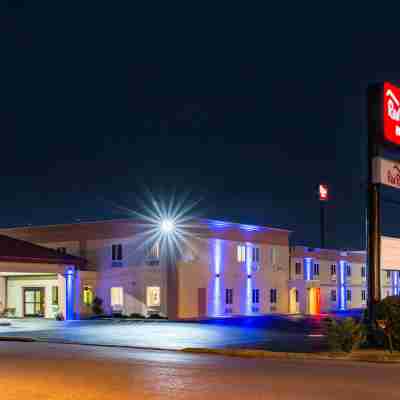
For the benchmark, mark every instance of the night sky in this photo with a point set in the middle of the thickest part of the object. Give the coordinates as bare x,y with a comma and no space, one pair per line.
245,109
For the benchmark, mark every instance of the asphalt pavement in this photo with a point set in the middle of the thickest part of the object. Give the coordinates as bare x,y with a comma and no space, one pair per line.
277,333
72,372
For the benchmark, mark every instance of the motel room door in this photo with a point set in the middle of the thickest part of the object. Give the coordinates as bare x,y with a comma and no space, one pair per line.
202,302
33,302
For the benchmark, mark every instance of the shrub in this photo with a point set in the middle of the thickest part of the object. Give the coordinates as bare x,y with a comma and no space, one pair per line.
97,306
345,335
137,315
387,316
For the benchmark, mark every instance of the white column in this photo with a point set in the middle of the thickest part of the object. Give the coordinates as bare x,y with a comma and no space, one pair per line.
3,293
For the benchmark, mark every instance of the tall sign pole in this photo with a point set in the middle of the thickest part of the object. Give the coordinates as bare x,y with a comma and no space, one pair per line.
383,132
373,202
323,192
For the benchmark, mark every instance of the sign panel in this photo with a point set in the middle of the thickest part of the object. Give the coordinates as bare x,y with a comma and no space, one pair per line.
390,253
323,192
391,113
386,172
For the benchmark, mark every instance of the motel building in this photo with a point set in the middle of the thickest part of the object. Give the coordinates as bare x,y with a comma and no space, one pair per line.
221,269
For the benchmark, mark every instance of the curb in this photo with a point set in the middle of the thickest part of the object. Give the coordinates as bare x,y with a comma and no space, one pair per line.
372,358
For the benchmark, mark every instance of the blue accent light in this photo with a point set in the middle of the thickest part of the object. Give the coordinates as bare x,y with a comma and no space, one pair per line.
70,283
342,283
249,282
217,281
307,268
395,282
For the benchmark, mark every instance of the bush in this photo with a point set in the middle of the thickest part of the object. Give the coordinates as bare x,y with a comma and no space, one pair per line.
345,335
97,306
137,315
387,317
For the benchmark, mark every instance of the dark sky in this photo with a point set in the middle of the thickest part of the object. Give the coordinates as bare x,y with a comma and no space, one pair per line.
246,109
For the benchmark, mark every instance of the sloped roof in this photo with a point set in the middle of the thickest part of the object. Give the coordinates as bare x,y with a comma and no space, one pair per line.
16,250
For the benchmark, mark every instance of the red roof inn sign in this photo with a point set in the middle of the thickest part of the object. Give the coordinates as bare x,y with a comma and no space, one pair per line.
386,172
391,113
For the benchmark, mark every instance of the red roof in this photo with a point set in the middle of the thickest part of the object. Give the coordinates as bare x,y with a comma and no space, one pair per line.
16,250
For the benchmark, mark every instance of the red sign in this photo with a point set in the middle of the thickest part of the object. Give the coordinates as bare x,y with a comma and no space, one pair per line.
323,192
391,113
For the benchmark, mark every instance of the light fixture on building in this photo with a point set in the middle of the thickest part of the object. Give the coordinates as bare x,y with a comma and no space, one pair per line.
167,225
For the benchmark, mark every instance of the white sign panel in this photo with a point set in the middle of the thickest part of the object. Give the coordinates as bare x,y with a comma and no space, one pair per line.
386,172
390,253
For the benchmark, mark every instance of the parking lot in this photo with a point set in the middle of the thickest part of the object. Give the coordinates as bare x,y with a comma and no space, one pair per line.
280,333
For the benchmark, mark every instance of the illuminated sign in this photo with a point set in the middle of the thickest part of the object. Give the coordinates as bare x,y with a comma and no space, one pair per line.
386,172
323,192
391,113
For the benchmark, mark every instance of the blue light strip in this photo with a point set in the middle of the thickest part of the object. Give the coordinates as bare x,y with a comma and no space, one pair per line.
342,285
395,283
249,282
307,268
69,301
217,278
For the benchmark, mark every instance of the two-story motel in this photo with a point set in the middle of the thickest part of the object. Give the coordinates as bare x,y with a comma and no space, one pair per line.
223,269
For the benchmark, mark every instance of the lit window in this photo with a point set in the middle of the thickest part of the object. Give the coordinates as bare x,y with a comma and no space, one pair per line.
333,269
256,296
87,296
153,296
117,297
256,254
363,295
273,296
348,269
229,296
388,274
54,296
333,295
116,252
298,268
241,253
273,255
363,271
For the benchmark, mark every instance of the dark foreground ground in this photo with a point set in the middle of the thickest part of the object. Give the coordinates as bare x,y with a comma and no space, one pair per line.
68,372
278,333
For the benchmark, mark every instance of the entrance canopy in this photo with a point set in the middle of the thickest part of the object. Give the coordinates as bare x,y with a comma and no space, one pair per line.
390,253
20,251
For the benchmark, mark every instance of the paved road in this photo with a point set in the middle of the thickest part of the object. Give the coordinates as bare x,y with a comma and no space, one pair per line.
272,333
67,372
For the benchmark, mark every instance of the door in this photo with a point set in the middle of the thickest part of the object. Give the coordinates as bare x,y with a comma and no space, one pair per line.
202,302
34,302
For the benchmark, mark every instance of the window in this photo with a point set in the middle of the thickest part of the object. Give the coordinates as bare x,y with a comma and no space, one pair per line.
363,295
54,295
316,270
348,269
116,252
333,269
256,254
87,296
273,255
348,295
229,296
153,253
273,296
298,268
363,271
388,275
153,296
256,296
62,250
333,295
241,253
117,297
